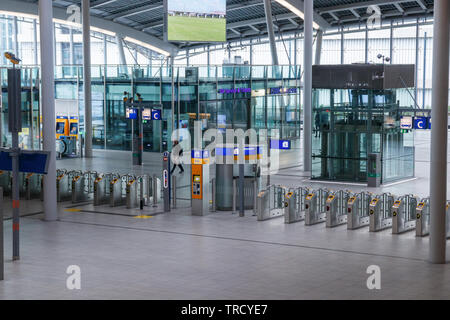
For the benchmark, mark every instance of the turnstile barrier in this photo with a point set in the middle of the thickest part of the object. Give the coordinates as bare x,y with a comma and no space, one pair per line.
358,210
404,214
294,210
336,208
83,186
315,206
102,189
423,218
380,212
270,203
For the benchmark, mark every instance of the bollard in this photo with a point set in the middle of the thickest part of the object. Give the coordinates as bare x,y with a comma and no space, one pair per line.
255,196
155,191
174,191
234,196
213,195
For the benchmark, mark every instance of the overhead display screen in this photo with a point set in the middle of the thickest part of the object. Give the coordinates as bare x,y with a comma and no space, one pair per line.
196,20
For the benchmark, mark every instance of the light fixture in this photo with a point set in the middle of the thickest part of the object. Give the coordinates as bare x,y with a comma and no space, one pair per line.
295,10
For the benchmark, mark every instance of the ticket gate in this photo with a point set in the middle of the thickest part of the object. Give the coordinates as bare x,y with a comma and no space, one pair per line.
64,180
404,214
294,210
139,190
101,188
423,217
315,206
358,210
118,189
270,203
83,186
5,182
336,208
33,186
380,212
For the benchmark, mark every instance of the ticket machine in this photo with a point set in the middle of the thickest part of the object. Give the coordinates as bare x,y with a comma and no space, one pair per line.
200,193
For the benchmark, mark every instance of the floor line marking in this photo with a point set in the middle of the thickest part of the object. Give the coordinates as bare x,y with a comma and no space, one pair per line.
243,240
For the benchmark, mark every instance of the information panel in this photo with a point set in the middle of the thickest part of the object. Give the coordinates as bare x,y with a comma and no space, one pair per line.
196,20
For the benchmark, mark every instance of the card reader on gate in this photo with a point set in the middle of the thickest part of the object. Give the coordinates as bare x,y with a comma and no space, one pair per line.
396,205
373,203
196,185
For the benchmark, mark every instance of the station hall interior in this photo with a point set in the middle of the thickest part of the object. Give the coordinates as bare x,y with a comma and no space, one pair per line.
224,149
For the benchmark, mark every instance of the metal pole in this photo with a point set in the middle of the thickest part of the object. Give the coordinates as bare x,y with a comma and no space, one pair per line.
71,48
424,69
48,106
319,41
307,87
439,113
366,45
213,196
16,42
87,79
270,32
234,196
174,191
121,51
391,41
416,90
155,191
2,266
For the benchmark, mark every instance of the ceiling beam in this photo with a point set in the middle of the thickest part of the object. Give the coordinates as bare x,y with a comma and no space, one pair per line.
359,5
100,3
131,12
297,7
399,7
356,14
422,4
60,14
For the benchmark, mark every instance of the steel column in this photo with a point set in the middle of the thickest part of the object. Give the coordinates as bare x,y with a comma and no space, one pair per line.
87,79
270,32
48,105
319,41
439,131
307,87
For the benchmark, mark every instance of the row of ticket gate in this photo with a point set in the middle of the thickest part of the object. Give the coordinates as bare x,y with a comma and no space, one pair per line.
343,207
101,188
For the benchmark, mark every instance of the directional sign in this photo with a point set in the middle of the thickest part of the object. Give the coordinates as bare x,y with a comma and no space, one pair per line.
280,144
421,123
156,114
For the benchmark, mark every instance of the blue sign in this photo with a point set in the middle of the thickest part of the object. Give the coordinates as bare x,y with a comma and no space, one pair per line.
282,90
421,123
131,113
280,144
156,114
29,161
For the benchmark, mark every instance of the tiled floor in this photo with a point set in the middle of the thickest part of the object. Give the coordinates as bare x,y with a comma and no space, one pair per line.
220,256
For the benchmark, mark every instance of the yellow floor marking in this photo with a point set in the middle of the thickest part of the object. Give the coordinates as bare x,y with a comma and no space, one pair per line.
72,210
143,216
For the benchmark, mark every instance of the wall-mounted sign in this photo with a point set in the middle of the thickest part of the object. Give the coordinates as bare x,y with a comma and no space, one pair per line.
406,122
422,123
131,113
147,114
280,144
282,90
235,90
156,114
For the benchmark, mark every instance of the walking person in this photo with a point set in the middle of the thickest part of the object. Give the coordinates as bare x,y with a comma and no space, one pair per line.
177,159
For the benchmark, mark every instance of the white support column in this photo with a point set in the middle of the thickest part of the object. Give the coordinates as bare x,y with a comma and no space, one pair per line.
307,84
87,79
35,46
319,41
439,131
48,106
105,50
71,48
15,38
270,32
